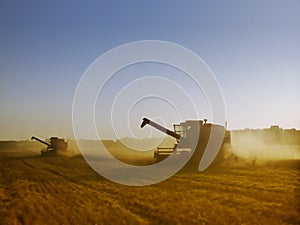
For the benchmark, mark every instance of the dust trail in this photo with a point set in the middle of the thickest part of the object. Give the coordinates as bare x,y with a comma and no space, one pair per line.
260,147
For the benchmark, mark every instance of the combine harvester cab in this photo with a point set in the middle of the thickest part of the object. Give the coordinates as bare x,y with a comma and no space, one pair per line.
54,146
193,129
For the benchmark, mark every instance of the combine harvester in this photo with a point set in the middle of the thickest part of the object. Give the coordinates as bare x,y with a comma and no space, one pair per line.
54,146
192,129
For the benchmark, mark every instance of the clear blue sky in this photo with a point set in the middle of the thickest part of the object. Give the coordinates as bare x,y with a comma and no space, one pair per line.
252,47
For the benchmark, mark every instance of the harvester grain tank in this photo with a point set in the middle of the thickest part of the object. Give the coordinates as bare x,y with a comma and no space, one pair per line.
54,145
192,129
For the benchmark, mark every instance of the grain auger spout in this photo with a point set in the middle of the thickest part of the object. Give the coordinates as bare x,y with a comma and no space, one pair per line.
39,140
159,127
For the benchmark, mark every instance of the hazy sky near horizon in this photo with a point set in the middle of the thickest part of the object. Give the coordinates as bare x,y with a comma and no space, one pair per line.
252,47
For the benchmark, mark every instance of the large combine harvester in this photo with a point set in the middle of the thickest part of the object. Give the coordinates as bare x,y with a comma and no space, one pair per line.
54,145
192,129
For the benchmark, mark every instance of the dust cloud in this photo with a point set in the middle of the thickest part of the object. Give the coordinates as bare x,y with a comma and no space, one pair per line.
262,146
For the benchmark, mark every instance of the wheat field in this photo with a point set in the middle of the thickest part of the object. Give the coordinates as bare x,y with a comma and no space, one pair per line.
65,190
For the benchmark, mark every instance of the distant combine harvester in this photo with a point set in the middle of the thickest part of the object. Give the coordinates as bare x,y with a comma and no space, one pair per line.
54,145
193,134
